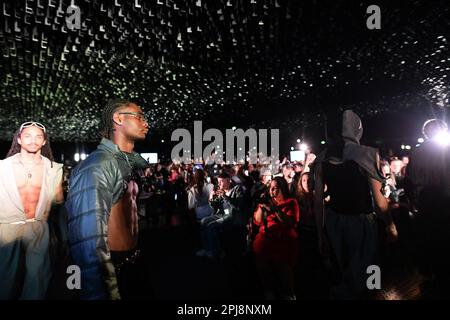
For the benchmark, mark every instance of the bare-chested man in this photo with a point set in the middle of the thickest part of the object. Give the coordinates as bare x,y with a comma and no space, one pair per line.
30,182
101,204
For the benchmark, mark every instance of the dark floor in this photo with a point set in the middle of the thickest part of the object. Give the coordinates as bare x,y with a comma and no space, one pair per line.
176,273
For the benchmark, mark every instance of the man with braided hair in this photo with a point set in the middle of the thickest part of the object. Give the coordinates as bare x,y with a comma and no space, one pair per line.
102,209
30,184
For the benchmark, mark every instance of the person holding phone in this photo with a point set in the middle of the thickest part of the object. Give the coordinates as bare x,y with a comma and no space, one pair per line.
276,246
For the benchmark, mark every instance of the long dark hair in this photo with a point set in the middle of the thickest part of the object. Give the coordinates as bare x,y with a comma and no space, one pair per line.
199,180
301,192
333,134
283,186
46,150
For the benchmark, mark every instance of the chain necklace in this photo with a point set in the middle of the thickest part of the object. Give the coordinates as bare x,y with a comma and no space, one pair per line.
29,169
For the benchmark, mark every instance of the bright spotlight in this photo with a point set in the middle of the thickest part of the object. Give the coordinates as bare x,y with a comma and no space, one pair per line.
433,127
442,138
83,156
420,140
303,147
408,147
298,140
76,157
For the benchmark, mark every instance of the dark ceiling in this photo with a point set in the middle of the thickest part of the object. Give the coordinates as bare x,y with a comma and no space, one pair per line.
229,62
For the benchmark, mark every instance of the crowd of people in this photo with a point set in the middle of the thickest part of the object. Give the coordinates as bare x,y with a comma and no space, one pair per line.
345,208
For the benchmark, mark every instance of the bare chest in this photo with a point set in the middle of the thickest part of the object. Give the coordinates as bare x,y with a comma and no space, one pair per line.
123,222
28,180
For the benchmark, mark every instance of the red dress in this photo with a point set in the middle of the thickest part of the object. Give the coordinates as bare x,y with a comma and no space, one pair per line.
278,242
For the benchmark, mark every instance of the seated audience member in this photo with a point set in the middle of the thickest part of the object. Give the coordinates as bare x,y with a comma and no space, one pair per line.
199,195
227,203
276,246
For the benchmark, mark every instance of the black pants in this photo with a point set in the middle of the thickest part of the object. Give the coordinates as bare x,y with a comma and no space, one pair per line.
131,276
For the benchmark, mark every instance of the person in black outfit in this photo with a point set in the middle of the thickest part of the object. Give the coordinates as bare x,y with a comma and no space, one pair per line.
347,226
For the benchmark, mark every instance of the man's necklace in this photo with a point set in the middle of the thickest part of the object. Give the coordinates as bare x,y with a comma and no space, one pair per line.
28,170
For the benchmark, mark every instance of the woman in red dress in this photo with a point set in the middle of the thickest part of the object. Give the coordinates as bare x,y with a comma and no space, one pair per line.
276,245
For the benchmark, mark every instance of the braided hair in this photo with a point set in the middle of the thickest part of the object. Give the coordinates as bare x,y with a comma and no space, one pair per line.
46,150
106,122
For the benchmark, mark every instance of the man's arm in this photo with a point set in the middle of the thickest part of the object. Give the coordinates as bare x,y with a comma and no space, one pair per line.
89,205
235,202
59,194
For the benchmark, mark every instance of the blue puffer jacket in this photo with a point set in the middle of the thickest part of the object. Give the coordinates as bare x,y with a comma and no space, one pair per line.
96,185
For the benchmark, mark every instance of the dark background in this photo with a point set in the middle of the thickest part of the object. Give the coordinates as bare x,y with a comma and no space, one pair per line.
249,64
